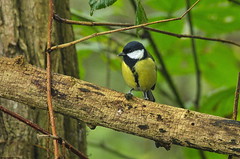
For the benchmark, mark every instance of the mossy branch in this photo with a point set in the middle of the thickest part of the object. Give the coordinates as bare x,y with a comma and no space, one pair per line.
100,106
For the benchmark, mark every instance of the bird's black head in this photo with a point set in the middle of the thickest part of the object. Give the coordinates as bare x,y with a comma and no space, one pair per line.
133,46
133,52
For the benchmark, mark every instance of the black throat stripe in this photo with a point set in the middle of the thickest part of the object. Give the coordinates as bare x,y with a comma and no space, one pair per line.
135,74
130,62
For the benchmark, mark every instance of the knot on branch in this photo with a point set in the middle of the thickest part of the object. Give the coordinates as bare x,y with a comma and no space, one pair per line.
19,60
165,144
58,18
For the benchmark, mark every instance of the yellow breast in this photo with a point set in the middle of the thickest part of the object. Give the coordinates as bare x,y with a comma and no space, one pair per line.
147,75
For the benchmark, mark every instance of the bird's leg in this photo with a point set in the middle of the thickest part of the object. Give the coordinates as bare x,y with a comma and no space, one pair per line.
145,95
129,95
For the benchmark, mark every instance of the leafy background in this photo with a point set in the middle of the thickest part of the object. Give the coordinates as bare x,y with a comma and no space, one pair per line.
219,64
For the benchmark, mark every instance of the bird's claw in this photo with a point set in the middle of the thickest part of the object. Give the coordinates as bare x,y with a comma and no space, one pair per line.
128,96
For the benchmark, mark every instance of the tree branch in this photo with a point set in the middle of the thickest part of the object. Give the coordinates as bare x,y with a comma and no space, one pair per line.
103,107
49,96
122,29
87,23
39,129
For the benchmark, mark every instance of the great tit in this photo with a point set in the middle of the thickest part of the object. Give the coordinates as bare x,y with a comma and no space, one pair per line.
139,69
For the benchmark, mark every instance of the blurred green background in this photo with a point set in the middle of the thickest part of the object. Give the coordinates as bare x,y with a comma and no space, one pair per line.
219,65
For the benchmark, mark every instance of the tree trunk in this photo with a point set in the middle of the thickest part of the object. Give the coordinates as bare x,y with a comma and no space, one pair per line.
23,31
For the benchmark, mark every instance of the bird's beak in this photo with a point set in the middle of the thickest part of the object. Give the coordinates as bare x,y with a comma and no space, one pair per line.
121,54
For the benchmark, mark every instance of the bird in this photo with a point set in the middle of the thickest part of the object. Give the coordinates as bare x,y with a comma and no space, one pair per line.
138,70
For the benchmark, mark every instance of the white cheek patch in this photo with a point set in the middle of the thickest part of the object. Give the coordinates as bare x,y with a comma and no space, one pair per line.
137,54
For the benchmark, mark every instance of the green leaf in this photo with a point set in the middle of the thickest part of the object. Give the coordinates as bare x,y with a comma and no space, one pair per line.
219,102
219,65
141,16
99,4
218,17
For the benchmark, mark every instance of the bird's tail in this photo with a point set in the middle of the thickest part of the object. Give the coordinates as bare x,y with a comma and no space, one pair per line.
149,96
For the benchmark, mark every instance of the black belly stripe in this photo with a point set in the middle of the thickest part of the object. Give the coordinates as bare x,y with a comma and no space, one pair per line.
135,74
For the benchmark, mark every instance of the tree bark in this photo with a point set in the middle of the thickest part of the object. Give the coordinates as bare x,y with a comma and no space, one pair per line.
99,106
23,31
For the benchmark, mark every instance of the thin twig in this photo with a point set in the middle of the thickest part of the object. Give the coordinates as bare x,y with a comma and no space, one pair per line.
235,106
39,129
236,99
121,29
67,21
49,96
20,118
195,59
192,36
49,136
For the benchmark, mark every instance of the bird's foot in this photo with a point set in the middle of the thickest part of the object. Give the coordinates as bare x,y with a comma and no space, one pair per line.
128,96
146,98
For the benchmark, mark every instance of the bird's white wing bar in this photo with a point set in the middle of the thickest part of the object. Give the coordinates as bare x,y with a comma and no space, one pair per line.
137,54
